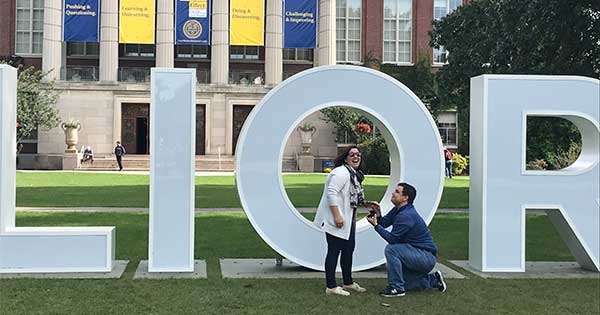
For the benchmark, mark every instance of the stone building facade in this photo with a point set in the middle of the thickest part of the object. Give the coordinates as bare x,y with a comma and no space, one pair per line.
106,86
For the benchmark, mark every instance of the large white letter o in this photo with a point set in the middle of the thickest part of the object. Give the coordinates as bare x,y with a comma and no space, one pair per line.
409,131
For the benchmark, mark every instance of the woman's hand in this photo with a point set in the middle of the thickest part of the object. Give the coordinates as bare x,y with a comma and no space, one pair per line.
339,221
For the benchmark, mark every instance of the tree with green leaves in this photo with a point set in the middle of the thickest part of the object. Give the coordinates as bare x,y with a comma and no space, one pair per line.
36,100
418,78
554,37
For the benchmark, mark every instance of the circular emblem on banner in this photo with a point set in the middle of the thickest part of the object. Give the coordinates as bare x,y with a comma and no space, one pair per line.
192,29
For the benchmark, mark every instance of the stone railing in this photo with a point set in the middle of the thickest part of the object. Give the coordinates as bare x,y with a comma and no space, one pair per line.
134,74
79,73
247,77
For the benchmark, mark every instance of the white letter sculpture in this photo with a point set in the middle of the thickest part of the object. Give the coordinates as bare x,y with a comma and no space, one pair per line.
40,249
408,128
501,187
172,165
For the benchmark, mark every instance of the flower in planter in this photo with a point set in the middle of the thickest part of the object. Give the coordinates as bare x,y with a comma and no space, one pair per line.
307,127
71,123
363,128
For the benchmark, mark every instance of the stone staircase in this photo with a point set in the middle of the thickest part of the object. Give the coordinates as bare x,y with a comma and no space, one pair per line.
136,162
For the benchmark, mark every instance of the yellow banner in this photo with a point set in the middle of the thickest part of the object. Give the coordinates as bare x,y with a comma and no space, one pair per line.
247,22
136,21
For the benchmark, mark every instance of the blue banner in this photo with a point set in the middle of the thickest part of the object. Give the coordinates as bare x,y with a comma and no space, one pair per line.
300,24
81,20
192,22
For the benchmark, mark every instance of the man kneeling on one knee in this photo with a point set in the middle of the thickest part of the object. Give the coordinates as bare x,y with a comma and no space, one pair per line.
411,253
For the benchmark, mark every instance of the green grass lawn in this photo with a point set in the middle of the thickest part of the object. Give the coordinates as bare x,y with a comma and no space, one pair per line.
67,189
230,235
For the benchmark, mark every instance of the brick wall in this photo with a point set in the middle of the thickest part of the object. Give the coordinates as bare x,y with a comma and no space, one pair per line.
372,25
422,19
7,27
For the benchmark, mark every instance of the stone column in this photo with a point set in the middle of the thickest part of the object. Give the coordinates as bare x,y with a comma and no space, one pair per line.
274,43
325,53
109,41
219,60
165,49
52,49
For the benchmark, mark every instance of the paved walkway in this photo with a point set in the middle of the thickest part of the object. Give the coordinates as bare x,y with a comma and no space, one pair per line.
198,210
205,210
126,172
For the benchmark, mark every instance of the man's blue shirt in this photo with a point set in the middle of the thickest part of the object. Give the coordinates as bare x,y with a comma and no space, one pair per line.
407,228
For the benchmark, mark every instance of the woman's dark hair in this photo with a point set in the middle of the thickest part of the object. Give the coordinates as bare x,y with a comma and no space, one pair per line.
341,159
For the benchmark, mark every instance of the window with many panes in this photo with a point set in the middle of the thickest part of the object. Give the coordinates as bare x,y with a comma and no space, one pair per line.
348,14
137,50
448,133
82,49
192,51
397,31
30,26
298,54
243,52
441,8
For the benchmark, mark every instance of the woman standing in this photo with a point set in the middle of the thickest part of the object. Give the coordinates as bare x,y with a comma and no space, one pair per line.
336,216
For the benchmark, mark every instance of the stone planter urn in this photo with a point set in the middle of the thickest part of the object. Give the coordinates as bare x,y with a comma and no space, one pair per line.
307,132
71,129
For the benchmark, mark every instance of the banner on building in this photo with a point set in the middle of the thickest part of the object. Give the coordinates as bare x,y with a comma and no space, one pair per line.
192,22
300,24
136,21
81,20
247,22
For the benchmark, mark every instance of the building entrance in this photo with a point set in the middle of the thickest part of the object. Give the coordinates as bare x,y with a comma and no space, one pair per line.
141,135
240,114
135,128
135,124
200,129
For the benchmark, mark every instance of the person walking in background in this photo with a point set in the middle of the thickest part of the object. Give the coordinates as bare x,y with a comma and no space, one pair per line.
119,152
448,158
336,216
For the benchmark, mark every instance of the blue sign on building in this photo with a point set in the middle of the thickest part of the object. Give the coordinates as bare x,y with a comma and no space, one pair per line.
81,20
192,22
300,24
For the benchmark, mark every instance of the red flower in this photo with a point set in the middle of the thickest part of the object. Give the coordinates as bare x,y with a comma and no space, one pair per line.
363,128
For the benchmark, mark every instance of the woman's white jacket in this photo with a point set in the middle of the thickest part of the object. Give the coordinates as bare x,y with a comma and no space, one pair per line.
336,193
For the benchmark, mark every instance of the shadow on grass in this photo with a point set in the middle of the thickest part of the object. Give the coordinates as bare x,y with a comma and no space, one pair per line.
229,234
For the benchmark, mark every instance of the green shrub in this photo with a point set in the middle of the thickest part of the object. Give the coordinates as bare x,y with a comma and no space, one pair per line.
459,164
375,156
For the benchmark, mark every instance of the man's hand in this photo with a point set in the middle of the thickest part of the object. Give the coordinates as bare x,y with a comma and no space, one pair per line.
339,221
375,206
372,220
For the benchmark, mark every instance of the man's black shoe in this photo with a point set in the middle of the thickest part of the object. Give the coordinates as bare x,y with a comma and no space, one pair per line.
442,287
392,292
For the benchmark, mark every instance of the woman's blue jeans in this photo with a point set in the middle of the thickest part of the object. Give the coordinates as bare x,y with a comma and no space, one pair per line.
335,246
408,267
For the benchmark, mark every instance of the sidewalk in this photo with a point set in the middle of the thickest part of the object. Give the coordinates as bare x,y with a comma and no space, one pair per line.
126,172
197,210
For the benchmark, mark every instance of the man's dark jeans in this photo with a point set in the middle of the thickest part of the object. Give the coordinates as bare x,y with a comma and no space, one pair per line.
408,267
